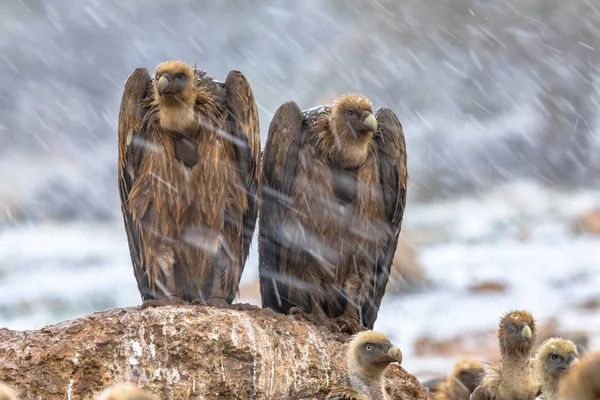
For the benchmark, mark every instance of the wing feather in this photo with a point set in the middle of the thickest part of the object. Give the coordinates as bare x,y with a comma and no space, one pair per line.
131,138
393,178
280,159
243,125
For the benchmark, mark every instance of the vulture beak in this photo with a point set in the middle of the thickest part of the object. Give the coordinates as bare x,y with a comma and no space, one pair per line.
371,122
394,354
163,84
526,332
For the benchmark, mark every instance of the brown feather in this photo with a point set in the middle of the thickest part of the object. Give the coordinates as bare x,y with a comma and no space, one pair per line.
582,382
461,381
322,244
513,378
188,209
548,373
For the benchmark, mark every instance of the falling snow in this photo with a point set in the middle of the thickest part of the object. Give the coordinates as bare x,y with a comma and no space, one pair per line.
498,101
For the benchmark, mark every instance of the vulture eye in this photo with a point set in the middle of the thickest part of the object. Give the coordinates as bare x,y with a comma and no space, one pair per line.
554,357
369,347
180,76
350,113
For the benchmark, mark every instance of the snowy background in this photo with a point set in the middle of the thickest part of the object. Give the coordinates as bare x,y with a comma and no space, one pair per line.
498,101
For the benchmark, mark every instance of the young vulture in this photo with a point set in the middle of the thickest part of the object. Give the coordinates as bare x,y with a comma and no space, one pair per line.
189,168
513,378
333,197
552,359
582,382
124,391
368,357
461,382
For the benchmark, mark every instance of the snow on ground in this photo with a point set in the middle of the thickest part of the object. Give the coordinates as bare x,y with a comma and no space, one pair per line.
519,235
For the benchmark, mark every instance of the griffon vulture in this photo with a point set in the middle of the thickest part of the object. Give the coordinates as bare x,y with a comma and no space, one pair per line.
368,358
512,378
189,169
333,195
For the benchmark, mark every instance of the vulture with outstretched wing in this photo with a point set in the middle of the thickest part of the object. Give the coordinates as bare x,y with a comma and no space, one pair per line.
189,170
332,200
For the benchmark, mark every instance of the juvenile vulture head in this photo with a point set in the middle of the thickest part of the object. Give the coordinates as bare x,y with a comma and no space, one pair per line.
124,391
6,393
516,333
555,356
175,84
466,374
353,125
552,359
368,357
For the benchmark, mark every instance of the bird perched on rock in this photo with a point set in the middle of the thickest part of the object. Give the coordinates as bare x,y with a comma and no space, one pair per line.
513,378
189,169
461,382
552,359
369,354
333,196
6,393
582,381
124,391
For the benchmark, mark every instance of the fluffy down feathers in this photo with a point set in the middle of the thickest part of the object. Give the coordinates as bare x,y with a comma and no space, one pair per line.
334,191
552,359
513,378
461,382
582,382
368,357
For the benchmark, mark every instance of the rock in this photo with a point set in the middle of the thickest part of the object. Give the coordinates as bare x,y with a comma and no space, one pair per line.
487,287
187,352
589,222
406,273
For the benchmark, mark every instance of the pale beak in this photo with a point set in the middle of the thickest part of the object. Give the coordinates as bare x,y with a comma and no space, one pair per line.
371,122
526,332
163,84
395,354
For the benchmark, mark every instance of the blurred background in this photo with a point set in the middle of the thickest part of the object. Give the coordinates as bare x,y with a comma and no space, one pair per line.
499,103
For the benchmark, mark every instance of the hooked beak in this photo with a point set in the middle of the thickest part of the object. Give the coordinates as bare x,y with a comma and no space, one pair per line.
163,84
394,354
371,122
526,332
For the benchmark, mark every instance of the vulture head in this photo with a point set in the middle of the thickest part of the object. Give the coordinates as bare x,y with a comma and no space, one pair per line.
124,391
467,373
353,125
555,356
175,83
369,355
516,333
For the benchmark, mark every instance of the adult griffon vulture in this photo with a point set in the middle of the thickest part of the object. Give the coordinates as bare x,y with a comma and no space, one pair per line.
189,169
333,196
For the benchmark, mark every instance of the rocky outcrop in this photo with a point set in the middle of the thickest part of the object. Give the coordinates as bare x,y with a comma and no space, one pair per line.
187,352
588,222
